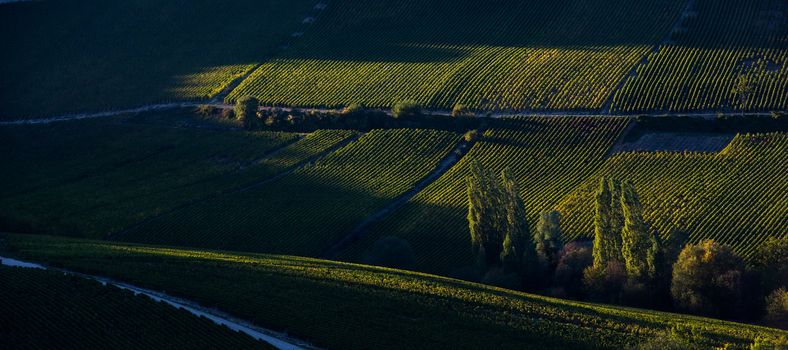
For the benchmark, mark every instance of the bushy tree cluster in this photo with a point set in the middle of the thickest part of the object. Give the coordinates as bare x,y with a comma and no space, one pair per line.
629,258
501,237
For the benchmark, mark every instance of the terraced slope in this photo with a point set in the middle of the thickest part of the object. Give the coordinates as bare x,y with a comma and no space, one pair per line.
718,41
305,212
493,55
345,306
48,310
548,156
87,55
736,196
93,178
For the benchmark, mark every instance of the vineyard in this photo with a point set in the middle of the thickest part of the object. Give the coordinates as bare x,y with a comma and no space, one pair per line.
501,55
94,178
344,306
698,69
736,197
548,156
92,55
47,310
305,212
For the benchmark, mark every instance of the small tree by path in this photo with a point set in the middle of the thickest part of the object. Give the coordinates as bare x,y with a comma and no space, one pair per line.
406,109
246,111
743,91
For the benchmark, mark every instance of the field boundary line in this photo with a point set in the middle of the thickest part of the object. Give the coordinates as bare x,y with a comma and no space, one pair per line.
667,39
448,162
311,18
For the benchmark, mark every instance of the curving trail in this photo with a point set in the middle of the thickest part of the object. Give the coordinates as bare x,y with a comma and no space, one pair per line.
277,339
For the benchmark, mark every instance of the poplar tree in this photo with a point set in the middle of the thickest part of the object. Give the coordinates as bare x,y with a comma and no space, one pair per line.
517,254
607,237
616,218
484,219
548,237
640,246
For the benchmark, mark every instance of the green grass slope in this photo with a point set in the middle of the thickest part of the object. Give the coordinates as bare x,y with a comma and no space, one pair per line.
48,310
494,55
549,157
306,212
69,56
346,306
718,41
737,196
92,178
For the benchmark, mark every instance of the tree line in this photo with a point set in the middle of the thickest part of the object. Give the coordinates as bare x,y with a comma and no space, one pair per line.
627,262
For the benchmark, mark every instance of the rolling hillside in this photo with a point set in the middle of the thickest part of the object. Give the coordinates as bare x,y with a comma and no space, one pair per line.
338,305
548,156
68,56
716,43
736,196
46,310
504,55
491,55
93,178
305,212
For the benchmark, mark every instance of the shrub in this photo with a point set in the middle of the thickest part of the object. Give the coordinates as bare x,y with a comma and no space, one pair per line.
472,136
573,260
353,109
246,111
462,111
707,280
772,262
205,110
777,309
605,284
228,114
391,252
406,109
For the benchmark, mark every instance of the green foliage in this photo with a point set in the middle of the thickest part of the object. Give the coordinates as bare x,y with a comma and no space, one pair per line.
771,260
707,279
354,109
549,157
574,260
548,237
246,111
607,232
472,136
777,309
518,253
606,283
49,310
399,309
485,215
406,110
639,245
462,111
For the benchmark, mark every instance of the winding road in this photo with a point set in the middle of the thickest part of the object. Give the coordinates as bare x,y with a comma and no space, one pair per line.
276,339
